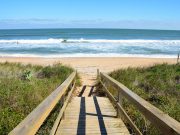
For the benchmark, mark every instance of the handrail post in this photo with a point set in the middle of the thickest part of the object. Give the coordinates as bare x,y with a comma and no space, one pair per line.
119,100
98,75
63,100
166,124
178,58
31,124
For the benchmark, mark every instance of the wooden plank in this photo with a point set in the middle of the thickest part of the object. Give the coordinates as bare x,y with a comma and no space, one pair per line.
164,122
93,122
118,105
128,119
106,108
94,131
34,120
64,133
58,119
74,123
111,97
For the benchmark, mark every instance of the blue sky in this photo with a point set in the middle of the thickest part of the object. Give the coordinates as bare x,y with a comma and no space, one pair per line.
144,14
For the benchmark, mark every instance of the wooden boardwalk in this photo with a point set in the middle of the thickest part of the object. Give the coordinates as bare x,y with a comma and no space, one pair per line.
91,115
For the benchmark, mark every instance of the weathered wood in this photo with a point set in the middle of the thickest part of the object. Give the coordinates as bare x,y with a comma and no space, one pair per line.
91,119
58,119
98,75
178,58
164,122
34,120
110,96
120,100
119,107
128,119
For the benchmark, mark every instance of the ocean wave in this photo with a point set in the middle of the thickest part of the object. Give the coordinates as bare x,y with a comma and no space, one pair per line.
90,48
59,41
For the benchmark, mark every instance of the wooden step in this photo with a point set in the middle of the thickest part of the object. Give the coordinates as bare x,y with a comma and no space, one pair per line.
91,115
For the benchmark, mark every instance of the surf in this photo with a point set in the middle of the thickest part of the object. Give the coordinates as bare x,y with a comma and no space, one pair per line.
81,40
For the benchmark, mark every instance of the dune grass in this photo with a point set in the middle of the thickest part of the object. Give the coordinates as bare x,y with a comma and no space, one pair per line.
159,85
23,87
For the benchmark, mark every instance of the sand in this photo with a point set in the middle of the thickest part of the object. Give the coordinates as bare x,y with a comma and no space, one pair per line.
90,65
87,67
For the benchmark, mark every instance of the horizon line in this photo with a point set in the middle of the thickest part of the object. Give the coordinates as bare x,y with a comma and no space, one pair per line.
90,28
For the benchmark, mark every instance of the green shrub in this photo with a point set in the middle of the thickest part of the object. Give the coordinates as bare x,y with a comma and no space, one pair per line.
27,75
19,97
47,72
159,85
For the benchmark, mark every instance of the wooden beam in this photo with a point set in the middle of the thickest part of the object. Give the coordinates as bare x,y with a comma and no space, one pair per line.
31,124
120,108
58,119
161,120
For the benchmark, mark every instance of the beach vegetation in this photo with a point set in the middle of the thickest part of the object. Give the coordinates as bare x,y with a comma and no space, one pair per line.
23,87
158,84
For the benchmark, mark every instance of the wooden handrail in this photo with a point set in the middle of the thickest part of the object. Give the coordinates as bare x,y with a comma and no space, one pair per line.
31,124
61,113
162,121
121,110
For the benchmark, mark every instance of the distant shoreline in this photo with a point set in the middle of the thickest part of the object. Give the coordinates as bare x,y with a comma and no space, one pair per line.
89,65
91,28
58,43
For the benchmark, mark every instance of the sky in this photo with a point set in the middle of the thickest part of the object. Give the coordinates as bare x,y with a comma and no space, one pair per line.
131,14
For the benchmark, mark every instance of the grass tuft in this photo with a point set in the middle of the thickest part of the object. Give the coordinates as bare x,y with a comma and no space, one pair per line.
159,85
23,87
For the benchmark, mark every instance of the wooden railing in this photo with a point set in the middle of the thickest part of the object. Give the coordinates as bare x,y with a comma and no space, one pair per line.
166,124
31,124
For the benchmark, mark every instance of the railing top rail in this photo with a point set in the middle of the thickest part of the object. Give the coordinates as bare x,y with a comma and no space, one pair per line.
34,120
164,122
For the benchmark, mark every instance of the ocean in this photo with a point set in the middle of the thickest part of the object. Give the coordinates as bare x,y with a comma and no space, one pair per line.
89,43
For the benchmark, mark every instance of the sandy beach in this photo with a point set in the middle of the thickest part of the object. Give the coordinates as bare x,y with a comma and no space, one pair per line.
87,67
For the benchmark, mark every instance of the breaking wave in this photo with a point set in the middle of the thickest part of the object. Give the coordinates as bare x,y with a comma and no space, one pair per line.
58,41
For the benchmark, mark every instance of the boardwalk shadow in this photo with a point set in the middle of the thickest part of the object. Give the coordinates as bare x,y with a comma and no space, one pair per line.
81,130
84,88
100,117
91,91
82,91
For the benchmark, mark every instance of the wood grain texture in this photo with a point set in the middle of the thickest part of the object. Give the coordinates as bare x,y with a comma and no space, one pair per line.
59,117
31,124
91,115
161,120
120,110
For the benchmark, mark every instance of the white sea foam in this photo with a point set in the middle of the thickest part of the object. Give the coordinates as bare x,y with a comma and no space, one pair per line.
58,41
89,48
39,41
